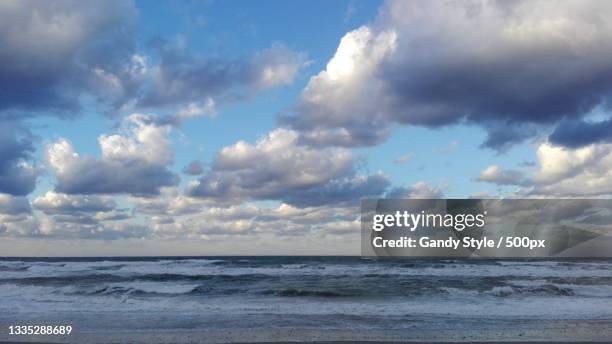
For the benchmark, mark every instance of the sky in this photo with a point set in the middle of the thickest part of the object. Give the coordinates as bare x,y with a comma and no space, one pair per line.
255,128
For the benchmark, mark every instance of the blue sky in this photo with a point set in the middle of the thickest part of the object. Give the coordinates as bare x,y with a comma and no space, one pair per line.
287,113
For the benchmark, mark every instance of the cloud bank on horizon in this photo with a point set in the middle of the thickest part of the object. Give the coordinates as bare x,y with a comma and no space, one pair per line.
307,131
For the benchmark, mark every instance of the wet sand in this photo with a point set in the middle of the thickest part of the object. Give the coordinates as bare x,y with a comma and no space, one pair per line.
588,331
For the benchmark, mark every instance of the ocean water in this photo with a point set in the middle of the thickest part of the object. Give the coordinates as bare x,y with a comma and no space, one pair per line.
138,294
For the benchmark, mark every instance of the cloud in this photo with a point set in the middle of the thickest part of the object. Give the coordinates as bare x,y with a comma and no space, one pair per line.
351,188
584,171
560,172
189,111
51,50
502,136
404,159
509,67
175,215
22,225
17,173
183,78
16,218
419,190
194,168
496,175
481,195
56,55
170,202
172,215
53,203
580,133
557,163
251,221
134,162
10,205
192,110
275,66
67,216
527,163
278,167
66,227
82,210
340,105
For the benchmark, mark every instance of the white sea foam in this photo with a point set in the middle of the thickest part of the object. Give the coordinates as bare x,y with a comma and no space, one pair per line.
539,290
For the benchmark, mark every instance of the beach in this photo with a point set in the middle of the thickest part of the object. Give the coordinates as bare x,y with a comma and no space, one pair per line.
306,299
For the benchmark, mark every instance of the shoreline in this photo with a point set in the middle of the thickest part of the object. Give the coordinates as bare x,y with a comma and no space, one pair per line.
588,332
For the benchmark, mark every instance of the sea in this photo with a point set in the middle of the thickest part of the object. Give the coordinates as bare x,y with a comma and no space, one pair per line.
316,293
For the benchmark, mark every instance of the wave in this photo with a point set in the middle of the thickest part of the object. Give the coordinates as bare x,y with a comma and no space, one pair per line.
159,277
161,290
292,292
345,285
118,290
287,278
543,290
292,267
108,268
8,268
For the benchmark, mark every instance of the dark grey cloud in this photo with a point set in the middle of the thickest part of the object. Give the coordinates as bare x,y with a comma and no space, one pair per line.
513,89
55,54
135,177
183,77
278,167
527,163
579,133
51,49
10,205
17,174
359,134
509,67
16,218
503,135
194,168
